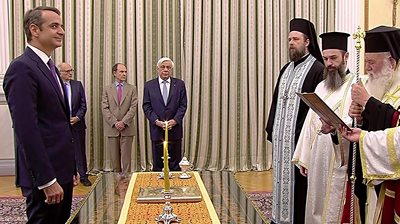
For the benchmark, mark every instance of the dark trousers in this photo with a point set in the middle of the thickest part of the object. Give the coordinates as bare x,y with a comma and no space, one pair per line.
40,212
300,197
80,152
174,151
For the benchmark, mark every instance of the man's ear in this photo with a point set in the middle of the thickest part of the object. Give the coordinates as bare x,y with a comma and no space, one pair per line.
346,56
34,30
307,42
393,63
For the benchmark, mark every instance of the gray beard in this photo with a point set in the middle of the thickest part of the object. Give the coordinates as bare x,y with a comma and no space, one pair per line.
334,79
378,84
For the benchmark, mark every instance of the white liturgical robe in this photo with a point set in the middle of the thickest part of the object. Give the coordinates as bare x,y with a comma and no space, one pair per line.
325,161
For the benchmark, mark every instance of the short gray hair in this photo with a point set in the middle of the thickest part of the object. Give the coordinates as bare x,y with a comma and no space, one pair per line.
164,59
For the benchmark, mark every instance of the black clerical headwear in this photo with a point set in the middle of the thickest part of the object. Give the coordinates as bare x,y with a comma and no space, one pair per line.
306,27
383,39
334,40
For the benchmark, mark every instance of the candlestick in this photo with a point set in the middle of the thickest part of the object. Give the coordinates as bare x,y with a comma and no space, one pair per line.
166,168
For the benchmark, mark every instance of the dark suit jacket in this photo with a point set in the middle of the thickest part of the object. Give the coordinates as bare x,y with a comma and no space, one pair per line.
154,108
41,122
78,102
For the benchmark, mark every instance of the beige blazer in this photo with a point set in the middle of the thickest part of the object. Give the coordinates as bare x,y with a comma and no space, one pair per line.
112,112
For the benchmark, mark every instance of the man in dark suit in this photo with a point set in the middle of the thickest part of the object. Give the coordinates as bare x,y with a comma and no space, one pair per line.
164,104
40,115
77,107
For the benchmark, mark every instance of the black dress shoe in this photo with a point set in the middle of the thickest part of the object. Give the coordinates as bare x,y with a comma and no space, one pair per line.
86,183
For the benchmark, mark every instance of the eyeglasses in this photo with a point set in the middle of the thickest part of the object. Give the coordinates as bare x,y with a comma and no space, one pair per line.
68,71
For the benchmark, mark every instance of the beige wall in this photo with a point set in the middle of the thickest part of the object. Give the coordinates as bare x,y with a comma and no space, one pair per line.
6,132
380,12
7,140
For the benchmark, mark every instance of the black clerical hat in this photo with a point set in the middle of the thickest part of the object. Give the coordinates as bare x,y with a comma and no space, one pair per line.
383,39
334,40
307,27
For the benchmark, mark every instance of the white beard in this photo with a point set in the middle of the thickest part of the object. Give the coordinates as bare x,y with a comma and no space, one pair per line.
378,84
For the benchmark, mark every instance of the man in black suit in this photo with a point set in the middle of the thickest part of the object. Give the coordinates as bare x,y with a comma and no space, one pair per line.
164,104
77,107
40,115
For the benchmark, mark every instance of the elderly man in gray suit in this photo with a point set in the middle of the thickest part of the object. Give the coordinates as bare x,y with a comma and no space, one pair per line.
119,107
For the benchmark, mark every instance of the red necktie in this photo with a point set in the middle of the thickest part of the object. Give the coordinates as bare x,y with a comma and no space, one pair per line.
119,93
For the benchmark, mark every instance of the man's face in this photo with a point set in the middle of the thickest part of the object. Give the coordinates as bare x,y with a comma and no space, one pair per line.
121,73
333,58
51,33
380,70
165,70
66,72
297,45
335,65
375,63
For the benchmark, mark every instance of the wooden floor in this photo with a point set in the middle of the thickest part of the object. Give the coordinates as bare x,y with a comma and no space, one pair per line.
251,181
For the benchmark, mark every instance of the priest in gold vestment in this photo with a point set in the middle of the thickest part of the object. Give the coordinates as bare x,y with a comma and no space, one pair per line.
376,109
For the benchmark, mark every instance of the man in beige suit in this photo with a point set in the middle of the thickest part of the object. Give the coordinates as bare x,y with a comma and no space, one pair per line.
119,107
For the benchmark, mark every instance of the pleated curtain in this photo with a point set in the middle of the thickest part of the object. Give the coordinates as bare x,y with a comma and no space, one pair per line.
228,52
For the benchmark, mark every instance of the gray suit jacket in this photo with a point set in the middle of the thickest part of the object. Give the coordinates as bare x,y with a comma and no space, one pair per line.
112,112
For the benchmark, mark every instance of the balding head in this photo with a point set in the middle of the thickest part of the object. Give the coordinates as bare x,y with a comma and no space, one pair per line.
66,71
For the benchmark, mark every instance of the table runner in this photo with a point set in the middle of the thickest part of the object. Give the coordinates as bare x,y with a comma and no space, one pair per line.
198,212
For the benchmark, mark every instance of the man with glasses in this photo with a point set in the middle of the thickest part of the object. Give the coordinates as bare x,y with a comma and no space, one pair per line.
77,108
164,104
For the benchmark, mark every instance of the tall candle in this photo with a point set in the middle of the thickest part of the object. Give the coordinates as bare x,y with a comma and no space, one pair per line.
166,169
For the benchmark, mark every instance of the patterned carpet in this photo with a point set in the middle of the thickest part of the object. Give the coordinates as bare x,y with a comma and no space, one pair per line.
12,209
263,202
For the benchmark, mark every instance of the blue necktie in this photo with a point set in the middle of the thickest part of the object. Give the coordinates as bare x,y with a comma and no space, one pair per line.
68,93
165,91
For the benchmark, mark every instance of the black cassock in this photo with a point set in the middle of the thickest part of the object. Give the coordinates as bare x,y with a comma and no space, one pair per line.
313,78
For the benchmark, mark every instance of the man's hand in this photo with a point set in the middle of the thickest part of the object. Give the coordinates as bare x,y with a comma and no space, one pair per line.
171,123
161,124
353,135
76,179
326,127
355,111
73,120
359,94
303,171
120,126
54,194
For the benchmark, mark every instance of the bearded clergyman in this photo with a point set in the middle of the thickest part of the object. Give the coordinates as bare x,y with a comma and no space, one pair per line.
375,108
318,158
286,117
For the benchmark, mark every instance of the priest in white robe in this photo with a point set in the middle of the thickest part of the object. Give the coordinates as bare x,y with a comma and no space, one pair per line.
380,159
323,162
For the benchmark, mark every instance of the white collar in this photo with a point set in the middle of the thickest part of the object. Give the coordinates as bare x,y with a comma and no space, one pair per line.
161,80
43,56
